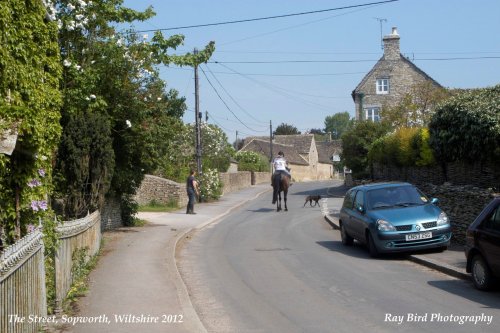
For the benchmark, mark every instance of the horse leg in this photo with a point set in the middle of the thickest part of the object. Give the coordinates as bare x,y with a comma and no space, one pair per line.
278,202
284,195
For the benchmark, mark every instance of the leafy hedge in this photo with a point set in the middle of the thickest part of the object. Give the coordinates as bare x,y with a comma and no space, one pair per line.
405,147
467,126
251,161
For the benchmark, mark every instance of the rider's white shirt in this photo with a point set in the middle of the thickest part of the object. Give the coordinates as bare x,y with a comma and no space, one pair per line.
279,164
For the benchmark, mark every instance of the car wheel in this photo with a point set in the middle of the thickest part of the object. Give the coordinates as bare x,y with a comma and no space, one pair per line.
371,246
481,274
346,239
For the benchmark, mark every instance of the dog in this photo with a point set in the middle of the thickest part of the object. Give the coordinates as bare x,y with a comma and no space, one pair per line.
312,198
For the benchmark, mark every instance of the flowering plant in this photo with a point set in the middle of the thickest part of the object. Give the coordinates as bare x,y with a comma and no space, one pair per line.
210,185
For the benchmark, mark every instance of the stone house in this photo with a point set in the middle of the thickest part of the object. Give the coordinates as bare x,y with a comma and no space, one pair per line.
388,81
301,152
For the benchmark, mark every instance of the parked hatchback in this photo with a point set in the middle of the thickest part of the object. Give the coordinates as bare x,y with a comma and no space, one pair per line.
393,217
482,246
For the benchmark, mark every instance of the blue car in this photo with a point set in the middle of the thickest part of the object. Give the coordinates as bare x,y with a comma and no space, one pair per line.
393,217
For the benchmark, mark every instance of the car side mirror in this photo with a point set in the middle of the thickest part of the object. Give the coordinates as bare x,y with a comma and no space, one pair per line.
360,209
434,201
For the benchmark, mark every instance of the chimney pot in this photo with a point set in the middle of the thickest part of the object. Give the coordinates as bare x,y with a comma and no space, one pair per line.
395,31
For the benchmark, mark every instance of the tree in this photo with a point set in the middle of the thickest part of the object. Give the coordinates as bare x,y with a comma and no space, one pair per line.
113,76
338,124
286,129
356,143
415,108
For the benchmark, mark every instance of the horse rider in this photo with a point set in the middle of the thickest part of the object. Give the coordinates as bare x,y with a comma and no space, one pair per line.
280,165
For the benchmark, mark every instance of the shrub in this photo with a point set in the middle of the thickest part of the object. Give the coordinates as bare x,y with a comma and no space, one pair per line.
466,127
251,161
404,148
210,185
356,143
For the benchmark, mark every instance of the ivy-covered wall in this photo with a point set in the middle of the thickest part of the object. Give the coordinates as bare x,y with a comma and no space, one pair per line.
29,100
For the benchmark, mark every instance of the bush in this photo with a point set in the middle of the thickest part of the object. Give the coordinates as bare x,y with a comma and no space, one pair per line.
404,148
210,185
251,161
356,143
466,127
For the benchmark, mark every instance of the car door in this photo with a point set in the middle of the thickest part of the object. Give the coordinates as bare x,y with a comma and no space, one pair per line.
358,218
488,238
348,210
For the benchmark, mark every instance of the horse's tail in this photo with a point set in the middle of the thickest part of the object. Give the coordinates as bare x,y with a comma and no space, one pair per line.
277,182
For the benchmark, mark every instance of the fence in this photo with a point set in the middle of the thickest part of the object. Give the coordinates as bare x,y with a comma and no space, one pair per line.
74,235
22,284
23,295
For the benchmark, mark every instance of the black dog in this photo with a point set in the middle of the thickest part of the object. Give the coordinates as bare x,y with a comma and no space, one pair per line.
312,198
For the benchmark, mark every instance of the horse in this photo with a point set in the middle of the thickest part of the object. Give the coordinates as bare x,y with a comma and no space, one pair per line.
281,183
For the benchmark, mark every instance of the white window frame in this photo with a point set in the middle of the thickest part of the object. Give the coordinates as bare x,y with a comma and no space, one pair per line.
382,86
372,113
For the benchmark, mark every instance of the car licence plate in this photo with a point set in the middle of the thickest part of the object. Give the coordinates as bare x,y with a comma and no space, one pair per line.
422,235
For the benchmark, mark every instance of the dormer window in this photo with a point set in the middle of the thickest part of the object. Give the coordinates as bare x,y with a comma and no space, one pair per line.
382,86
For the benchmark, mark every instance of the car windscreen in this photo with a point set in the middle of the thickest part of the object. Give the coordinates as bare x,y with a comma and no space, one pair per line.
394,196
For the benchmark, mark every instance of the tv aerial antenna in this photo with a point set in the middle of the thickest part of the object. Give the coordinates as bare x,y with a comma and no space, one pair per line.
381,20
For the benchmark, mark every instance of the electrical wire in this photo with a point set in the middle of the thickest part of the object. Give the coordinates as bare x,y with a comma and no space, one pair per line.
231,97
269,17
224,102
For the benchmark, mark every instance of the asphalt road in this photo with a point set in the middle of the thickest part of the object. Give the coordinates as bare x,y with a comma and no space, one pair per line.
261,271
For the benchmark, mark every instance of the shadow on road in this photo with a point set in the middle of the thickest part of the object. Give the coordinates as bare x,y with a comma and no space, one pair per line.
465,289
359,250
261,210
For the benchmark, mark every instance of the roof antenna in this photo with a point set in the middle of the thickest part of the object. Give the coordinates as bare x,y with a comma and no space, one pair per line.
381,37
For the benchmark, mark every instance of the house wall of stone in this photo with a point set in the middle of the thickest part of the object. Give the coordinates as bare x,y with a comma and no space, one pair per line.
325,171
402,76
302,173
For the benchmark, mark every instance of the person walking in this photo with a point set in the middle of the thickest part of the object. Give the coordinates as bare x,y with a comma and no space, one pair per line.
192,191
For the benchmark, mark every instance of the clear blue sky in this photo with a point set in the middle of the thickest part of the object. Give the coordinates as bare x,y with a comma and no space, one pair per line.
303,94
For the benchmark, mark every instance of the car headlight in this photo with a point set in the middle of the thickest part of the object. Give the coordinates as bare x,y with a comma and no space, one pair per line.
383,225
443,219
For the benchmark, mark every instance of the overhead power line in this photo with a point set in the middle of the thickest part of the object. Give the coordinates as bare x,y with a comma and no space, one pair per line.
345,61
224,102
269,17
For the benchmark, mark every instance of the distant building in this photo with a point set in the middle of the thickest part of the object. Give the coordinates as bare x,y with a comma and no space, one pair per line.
389,80
308,159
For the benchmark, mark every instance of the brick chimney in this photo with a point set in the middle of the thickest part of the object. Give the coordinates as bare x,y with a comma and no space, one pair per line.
391,45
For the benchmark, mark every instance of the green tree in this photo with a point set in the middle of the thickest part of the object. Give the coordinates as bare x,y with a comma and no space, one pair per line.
356,143
415,108
115,76
338,124
286,129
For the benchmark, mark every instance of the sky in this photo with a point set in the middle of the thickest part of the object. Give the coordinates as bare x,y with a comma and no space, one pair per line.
300,69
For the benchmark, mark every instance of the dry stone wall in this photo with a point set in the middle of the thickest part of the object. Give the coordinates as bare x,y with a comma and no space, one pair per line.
162,191
461,203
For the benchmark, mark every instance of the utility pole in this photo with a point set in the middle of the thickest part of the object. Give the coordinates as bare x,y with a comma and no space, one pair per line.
236,141
271,144
381,36
197,117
